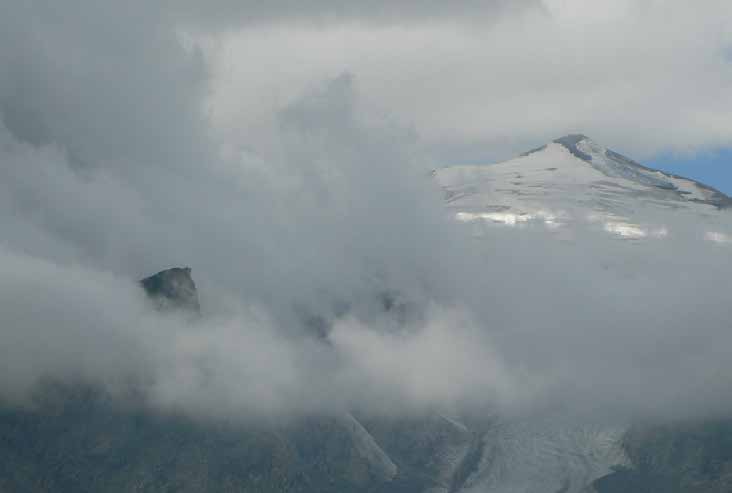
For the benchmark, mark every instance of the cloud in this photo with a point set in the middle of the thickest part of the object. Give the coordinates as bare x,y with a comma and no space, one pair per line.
617,329
645,77
295,183
233,14
109,174
74,76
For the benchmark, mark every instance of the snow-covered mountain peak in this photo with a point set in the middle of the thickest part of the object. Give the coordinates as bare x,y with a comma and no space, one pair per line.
612,164
574,179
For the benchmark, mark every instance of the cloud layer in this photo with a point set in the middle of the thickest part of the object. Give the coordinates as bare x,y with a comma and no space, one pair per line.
645,77
296,185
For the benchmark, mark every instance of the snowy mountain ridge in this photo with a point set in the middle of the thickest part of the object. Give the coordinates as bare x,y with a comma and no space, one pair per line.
574,180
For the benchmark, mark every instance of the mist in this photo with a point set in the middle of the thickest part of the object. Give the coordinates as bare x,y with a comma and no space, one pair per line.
115,163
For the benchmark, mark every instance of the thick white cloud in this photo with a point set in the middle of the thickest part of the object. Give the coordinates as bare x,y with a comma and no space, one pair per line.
645,77
125,147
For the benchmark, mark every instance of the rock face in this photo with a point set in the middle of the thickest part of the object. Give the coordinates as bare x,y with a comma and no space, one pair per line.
173,289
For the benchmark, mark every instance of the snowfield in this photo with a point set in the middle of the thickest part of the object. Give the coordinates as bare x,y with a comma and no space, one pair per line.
575,181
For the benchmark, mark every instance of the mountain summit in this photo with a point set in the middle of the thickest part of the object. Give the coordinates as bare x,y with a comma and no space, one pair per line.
173,289
612,164
573,180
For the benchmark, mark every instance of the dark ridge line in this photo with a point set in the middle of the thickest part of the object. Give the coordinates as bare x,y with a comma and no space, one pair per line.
718,199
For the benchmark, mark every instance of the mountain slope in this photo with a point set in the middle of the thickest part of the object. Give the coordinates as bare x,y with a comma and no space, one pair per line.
76,438
566,185
569,184
573,181
682,457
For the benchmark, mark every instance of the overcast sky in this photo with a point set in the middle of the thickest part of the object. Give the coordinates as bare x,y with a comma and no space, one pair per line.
282,150
482,81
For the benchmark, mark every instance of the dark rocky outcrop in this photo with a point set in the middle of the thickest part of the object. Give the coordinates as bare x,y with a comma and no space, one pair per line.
173,289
